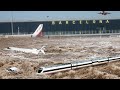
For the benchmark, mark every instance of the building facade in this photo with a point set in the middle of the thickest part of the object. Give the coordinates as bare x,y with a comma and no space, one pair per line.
62,27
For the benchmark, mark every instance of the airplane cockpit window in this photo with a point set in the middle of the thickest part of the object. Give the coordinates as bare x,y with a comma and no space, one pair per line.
40,70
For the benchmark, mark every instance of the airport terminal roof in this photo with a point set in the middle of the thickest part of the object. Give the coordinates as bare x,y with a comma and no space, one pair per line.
31,16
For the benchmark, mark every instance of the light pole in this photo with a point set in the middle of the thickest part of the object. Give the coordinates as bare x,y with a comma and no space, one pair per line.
12,21
18,30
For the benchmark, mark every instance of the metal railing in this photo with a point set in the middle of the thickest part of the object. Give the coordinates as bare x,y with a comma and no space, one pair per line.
81,32
68,32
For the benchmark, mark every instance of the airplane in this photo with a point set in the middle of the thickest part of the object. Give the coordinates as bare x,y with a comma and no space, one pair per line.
33,51
104,13
37,33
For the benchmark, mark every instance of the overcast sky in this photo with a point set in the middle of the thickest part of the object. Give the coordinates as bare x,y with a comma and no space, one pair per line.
51,15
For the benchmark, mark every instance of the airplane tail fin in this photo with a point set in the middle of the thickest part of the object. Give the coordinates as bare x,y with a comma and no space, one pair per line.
42,49
38,32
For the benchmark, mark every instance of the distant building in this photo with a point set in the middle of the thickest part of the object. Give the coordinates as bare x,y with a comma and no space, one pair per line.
58,27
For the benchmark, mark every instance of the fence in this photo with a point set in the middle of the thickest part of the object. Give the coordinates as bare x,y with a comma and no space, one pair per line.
68,32
80,32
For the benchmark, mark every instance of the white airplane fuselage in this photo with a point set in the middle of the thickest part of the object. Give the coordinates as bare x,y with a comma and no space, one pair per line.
34,51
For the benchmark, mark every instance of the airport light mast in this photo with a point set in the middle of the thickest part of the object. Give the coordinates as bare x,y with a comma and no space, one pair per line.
12,22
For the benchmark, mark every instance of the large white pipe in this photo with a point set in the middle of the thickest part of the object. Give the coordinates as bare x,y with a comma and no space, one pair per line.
75,65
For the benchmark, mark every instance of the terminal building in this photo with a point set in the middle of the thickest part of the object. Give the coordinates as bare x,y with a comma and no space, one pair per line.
62,27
